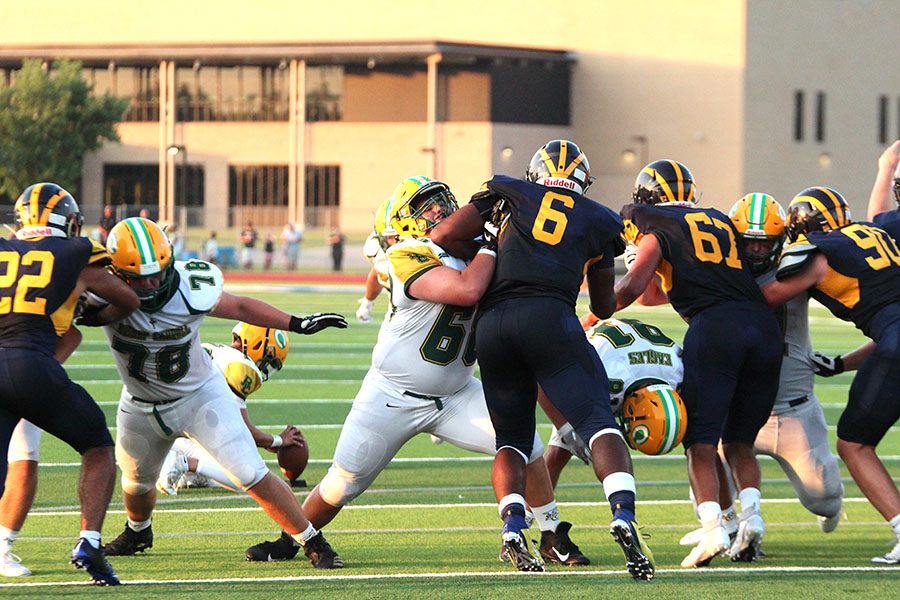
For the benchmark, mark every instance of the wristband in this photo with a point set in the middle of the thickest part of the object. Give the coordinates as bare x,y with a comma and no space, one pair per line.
486,250
277,442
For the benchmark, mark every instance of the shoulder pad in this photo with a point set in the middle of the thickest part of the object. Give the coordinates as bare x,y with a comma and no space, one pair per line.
99,256
371,247
412,258
795,258
240,372
201,284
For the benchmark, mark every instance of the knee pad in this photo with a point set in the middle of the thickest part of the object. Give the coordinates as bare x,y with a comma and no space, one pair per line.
537,450
249,475
25,443
136,488
339,487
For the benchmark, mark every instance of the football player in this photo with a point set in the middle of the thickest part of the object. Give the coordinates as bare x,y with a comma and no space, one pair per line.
528,335
47,267
382,238
795,434
422,374
885,197
245,364
732,348
172,388
854,270
635,355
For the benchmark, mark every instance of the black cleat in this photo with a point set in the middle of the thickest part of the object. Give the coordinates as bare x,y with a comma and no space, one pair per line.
519,552
284,548
558,547
85,556
130,542
638,557
321,554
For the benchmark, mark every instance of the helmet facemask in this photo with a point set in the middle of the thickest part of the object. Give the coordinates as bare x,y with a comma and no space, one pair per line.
761,261
421,207
897,185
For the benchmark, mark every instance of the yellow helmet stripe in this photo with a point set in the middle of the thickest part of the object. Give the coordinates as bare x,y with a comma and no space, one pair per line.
842,218
573,164
548,161
662,182
51,204
819,205
680,178
33,202
563,148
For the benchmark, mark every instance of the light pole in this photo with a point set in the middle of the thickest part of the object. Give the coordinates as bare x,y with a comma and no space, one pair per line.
173,152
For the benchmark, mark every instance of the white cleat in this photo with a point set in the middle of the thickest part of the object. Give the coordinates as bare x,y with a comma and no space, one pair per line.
829,524
692,538
891,558
436,440
11,565
712,544
746,545
173,467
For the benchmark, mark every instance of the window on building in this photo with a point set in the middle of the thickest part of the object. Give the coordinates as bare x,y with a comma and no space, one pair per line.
798,115
238,93
324,93
820,116
882,119
258,193
138,84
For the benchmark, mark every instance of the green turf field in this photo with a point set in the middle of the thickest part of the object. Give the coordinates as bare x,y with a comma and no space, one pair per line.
429,526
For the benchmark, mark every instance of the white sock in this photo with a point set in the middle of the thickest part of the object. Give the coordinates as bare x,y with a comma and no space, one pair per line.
895,523
619,481
509,499
730,520
305,535
137,525
93,537
710,514
10,535
749,502
547,516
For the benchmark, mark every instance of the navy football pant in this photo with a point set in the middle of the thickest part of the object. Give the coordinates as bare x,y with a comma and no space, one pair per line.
732,359
524,342
35,387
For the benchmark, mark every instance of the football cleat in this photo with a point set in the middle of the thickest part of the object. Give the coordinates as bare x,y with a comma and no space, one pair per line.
829,524
638,557
85,556
518,551
284,548
130,542
891,558
558,547
711,544
173,467
746,545
321,554
11,565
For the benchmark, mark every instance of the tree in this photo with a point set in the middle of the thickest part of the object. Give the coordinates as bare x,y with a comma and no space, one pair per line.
48,121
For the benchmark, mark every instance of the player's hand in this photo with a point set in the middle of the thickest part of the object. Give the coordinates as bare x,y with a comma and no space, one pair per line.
364,312
574,444
630,255
291,436
890,157
826,366
317,322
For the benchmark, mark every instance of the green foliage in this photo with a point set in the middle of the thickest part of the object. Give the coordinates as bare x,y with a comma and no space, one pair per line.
48,121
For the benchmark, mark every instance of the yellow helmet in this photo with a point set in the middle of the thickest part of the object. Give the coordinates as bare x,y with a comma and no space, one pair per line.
139,248
265,346
383,229
412,198
654,419
758,216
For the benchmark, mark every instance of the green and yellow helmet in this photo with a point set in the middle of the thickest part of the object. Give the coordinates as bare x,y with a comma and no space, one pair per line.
758,216
265,346
817,209
383,229
139,248
412,199
664,181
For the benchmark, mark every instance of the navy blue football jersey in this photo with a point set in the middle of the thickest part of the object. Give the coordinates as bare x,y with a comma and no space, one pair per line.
38,288
550,240
863,270
702,262
890,222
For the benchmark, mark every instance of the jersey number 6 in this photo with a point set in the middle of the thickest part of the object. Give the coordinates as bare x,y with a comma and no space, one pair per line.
548,214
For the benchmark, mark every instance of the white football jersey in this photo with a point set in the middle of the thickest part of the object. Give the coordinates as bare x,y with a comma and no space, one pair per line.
797,376
376,255
632,351
425,348
158,355
240,372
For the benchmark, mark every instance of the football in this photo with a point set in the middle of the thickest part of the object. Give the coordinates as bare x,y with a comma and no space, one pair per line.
293,459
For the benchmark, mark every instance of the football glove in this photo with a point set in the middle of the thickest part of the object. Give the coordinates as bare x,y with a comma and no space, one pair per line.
364,312
826,366
630,255
316,322
574,444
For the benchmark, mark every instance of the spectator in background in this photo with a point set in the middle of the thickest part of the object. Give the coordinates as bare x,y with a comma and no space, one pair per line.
268,251
291,236
144,213
107,222
177,241
211,249
336,240
249,235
